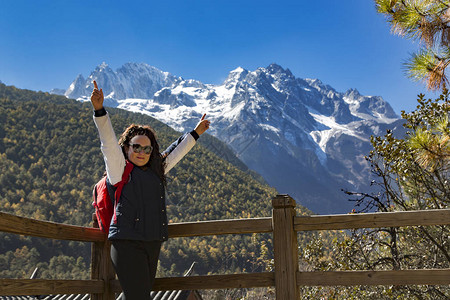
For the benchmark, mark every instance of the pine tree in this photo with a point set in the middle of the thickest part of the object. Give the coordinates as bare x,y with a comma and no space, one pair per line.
426,21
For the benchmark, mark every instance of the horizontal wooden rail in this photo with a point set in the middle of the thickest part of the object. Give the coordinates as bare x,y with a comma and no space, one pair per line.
373,220
249,280
245,280
352,278
234,226
30,227
22,287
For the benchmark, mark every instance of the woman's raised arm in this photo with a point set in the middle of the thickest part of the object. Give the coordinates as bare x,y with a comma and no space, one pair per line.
112,153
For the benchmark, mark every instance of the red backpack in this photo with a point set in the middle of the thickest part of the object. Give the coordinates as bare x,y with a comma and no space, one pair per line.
105,208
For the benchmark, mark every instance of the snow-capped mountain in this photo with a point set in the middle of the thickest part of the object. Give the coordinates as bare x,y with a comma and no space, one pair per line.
132,80
302,136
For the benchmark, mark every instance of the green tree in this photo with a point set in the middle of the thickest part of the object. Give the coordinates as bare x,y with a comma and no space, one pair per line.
426,21
412,174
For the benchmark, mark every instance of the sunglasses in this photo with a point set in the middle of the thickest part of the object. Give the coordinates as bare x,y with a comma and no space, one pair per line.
138,148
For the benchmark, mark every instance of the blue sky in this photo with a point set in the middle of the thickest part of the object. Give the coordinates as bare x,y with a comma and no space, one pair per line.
45,44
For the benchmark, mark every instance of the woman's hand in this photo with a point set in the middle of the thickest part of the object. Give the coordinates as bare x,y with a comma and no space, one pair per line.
202,126
97,97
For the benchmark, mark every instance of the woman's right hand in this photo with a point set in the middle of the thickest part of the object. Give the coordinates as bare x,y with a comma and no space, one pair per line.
97,97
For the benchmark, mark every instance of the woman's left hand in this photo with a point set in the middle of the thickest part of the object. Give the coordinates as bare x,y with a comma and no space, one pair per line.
202,126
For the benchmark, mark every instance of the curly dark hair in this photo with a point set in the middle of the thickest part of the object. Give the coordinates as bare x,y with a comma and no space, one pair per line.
155,162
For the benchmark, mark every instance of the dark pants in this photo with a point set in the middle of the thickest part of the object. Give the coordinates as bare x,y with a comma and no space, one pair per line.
135,263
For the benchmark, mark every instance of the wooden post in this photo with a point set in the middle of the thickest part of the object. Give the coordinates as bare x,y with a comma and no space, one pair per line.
285,248
101,267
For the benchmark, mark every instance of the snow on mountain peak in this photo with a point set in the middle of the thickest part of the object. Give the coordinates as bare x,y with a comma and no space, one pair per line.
275,69
238,70
235,75
76,87
319,85
103,67
353,93
369,107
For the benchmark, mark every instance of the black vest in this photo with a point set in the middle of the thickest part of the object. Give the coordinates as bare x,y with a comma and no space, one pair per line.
141,210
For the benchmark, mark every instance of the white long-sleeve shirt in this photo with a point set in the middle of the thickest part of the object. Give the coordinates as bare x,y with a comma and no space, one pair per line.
115,160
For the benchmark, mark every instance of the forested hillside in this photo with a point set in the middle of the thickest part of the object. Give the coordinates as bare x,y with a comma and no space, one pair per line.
50,159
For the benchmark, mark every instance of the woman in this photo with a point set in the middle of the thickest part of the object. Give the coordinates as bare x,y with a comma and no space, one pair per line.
140,224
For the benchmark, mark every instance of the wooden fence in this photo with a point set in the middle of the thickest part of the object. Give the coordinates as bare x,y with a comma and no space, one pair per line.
284,225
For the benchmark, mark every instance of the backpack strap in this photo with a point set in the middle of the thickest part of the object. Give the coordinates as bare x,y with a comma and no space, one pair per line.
119,186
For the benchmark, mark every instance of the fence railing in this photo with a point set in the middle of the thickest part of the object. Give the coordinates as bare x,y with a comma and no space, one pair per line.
284,225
